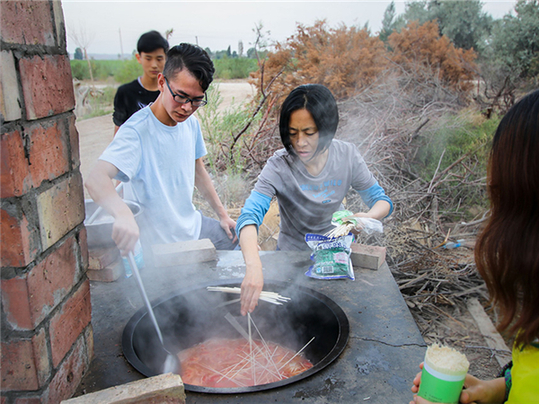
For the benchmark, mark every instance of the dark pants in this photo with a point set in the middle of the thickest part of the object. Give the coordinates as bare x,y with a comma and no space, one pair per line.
211,228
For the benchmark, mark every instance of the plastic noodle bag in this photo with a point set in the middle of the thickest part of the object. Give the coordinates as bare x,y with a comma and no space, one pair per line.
344,223
331,257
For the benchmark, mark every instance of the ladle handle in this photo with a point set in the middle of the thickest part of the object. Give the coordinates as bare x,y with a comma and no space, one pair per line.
134,268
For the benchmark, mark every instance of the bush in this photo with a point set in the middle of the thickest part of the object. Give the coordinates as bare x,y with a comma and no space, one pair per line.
79,70
123,71
129,71
237,68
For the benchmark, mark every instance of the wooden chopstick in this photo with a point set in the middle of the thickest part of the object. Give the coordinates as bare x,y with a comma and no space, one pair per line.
270,297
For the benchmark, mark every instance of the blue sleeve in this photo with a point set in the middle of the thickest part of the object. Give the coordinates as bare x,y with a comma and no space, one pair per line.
254,210
374,194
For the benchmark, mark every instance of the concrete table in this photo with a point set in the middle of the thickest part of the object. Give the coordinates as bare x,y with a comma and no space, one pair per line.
377,365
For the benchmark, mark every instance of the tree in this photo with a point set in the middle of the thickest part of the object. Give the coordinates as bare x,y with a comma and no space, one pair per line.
390,23
516,41
83,39
78,54
343,59
512,59
431,59
463,22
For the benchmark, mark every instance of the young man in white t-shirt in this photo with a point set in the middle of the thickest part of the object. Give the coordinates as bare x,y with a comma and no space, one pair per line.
158,154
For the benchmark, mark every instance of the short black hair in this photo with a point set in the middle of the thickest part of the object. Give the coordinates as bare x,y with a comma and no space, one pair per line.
193,58
151,41
318,100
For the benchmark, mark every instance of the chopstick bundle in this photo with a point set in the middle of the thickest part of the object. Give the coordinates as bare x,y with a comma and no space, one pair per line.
341,230
270,297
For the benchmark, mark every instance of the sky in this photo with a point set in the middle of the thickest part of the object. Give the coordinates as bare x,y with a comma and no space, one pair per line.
110,27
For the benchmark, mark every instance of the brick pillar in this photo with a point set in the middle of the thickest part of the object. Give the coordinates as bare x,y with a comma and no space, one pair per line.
46,334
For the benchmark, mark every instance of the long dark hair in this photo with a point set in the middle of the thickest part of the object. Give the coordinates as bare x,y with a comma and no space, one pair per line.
507,250
321,104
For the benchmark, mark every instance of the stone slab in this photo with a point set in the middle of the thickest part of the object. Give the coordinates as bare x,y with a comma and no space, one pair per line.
184,252
162,389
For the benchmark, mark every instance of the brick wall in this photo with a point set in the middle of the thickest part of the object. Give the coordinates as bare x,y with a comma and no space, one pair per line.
46,334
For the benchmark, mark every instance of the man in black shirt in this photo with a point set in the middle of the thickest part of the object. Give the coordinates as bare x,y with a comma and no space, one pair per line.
131,97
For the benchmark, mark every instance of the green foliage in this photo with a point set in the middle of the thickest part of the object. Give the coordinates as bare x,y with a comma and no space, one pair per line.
78,54
455,136
79,70
234,68
219,129
463,22
101,69
516,41
463,137
390,22
129,71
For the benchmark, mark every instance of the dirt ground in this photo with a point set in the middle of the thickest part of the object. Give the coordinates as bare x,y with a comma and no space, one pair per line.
458,329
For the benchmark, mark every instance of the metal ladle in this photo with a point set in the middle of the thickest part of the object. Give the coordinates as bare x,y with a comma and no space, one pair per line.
171,363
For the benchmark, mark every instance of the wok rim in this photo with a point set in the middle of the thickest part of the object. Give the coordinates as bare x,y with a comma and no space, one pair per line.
342,339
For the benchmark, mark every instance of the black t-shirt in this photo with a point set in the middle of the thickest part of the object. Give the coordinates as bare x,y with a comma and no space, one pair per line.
129,99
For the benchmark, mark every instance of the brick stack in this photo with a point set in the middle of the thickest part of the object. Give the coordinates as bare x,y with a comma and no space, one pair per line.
104,264
46,333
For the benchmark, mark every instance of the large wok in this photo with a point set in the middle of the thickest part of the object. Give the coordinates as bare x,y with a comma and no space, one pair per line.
193,315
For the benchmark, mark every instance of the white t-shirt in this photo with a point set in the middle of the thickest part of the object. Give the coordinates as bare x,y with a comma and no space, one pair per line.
157,164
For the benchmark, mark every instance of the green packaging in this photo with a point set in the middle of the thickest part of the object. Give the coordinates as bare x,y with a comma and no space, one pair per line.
442,378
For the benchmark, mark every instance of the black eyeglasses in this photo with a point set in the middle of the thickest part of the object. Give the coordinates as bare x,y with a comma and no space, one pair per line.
182,99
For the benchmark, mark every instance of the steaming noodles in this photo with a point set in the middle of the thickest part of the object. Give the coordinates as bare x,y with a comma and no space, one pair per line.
239,363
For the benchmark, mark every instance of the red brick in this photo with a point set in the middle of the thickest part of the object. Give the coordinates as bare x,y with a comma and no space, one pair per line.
16,301
69,322
47,85
18,368
19,245
51,280
48,151
60,209
15,177
26,22
68,375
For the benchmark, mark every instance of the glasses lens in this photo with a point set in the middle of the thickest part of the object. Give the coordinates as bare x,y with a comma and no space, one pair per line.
180,99
199,103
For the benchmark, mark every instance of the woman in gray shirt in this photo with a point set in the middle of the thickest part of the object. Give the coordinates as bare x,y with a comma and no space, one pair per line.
309,177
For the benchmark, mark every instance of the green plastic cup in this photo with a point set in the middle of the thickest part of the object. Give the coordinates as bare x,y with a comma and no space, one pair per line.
442,378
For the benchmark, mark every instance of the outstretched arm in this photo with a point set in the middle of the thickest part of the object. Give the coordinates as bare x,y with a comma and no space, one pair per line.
204,184
125,231
254,278
252,216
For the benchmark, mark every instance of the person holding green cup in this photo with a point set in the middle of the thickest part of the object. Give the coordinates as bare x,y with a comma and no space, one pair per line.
507,259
